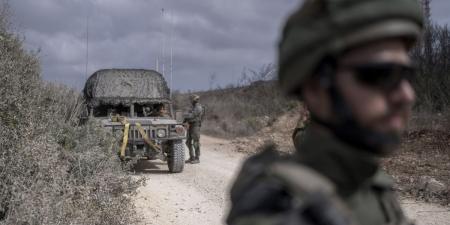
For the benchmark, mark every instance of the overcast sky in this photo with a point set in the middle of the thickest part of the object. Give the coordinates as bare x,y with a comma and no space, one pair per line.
220,37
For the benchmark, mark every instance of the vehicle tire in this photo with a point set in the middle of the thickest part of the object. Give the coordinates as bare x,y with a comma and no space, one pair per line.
175,157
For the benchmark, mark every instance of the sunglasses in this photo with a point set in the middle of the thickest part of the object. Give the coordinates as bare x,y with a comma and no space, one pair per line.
382,76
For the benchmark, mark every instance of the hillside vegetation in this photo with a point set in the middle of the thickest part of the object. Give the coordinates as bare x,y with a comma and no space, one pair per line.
51,170
238,110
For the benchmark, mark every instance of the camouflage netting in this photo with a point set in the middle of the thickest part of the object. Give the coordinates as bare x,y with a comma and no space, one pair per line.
125,87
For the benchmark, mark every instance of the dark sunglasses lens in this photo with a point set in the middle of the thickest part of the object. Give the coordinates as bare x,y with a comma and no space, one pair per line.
383,76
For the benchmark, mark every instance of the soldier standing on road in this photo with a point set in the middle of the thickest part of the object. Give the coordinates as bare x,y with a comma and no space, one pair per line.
194,121
348,60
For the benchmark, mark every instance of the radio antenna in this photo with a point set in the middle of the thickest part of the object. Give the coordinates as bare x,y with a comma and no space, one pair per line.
157,64
87,45
171,53
163,45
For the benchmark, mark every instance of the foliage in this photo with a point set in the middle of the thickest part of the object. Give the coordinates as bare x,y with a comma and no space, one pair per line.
432,57
51,170
242,109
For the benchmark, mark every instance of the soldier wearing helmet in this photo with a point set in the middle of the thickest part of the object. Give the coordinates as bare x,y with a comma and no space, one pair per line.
348,61
194,122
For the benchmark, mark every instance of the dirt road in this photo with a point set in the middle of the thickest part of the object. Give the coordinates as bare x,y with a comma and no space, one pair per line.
199,195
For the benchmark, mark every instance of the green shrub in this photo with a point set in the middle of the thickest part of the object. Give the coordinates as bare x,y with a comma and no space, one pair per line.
51,170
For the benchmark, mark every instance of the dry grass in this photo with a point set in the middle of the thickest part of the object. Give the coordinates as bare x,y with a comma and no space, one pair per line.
425,152
52,171
240,111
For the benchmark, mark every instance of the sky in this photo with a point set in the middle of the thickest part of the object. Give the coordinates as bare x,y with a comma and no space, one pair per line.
212,41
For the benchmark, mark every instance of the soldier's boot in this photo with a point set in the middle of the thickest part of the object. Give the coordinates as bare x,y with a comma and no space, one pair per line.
196,160
191,159
191,152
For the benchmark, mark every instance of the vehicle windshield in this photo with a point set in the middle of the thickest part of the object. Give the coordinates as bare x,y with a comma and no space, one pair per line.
107,110
137,110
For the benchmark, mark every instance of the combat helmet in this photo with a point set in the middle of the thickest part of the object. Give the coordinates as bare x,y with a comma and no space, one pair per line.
325,28
195,98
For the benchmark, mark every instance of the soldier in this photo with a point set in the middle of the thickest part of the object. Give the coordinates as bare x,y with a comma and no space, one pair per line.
146,111
348,60
159,111
194,121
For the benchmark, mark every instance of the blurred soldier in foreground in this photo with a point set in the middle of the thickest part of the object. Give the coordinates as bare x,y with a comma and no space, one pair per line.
348,60
194,122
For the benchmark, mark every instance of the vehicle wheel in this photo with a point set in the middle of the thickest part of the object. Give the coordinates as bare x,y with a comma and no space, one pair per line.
175,159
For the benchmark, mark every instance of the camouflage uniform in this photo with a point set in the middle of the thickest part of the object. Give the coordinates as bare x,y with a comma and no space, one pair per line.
332,179
193,136
358,191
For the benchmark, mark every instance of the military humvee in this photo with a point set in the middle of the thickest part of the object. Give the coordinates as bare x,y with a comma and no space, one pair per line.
135,104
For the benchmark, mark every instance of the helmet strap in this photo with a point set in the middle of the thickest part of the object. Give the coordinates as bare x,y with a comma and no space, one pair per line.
346,128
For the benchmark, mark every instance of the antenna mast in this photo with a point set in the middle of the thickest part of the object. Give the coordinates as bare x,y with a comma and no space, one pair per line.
163,46
87,46
157,64
426,11
171,53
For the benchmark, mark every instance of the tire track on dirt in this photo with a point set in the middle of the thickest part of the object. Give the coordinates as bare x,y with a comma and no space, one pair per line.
198,195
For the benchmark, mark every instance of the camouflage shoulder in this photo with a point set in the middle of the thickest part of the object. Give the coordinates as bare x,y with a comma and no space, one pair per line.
270,167
272,189
198,105
254,192
383,181
301,180
254,168
313,195
198,108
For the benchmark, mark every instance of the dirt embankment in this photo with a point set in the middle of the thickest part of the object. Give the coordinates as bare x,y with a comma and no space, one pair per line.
278,132
199,195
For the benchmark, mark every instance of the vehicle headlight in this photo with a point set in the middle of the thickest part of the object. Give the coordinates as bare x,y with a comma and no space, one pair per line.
180,130
160,133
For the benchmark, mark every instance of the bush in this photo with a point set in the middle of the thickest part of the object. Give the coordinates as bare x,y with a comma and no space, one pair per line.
52,171
432,57
241,110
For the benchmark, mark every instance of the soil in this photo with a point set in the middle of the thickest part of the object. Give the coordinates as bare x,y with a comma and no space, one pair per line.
424,153
199,195
278,132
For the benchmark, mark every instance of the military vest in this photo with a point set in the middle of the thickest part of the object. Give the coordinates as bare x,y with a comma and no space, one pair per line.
325,182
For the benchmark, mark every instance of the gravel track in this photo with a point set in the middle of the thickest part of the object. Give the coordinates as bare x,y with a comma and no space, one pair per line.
199,195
